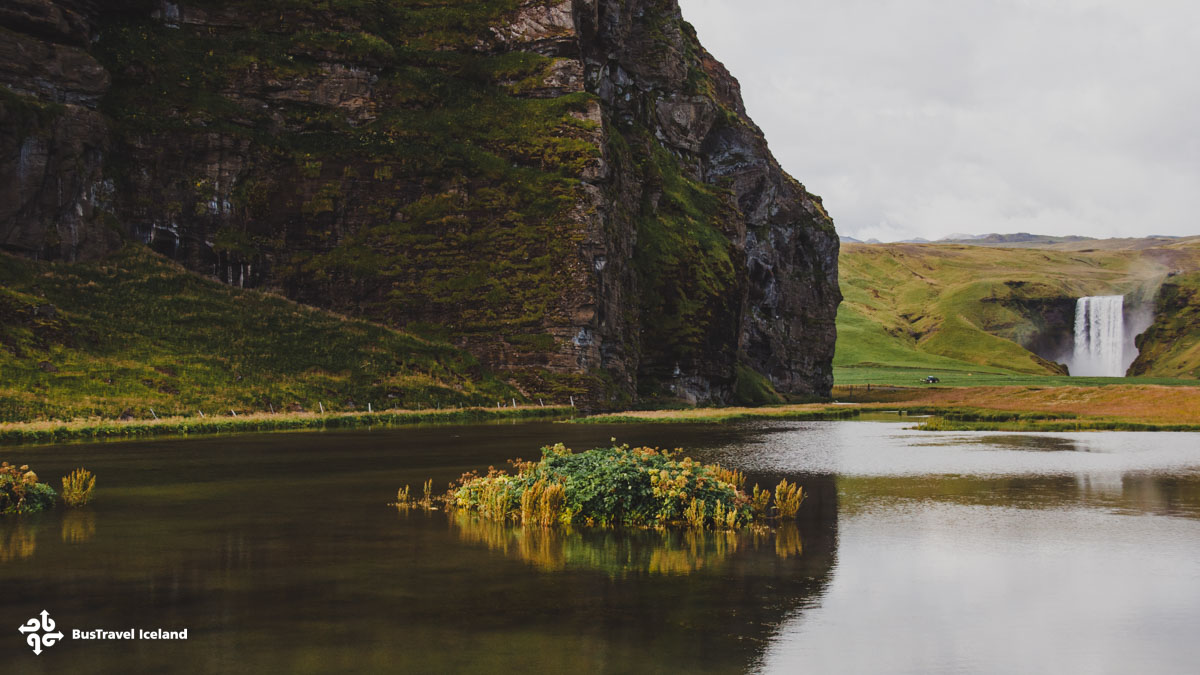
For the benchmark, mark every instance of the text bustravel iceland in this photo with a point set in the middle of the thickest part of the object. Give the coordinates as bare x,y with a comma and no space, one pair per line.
131,634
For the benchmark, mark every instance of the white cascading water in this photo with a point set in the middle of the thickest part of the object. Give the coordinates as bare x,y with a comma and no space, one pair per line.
1099,336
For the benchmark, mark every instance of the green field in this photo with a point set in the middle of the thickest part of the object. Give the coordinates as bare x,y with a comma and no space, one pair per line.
961,377
135,333
973,315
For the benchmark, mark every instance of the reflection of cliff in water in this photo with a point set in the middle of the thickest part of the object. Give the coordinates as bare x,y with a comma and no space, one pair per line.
708,600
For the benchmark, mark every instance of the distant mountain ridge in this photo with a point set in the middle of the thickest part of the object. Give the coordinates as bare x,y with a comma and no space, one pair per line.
1028,240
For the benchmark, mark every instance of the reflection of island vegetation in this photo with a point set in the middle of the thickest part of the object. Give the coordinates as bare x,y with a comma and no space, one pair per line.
18,540
19,536
78,526
622,551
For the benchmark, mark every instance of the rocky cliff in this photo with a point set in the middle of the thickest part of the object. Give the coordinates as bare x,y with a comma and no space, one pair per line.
572,191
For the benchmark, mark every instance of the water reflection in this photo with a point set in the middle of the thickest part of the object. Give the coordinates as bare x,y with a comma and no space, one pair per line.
947,552
622,551
18,538
947,587
78,526
19,535
975,552
1033,442
875,449
291,562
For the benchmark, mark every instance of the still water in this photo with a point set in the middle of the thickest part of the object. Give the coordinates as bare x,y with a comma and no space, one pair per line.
914,552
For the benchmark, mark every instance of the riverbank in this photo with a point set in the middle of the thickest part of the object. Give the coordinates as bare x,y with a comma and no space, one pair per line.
1029,408
14,433
806,411
1128,407
1107,408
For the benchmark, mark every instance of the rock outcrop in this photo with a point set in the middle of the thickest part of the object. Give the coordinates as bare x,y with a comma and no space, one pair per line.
52,138
570,190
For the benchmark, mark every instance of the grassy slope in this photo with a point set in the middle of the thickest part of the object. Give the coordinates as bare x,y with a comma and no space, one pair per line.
136,332
951,309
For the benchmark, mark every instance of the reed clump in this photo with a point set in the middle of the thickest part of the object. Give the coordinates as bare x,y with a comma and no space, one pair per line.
694,513
427,496
77,487
934,424
787,499
616,486
405,499
760,503
731,476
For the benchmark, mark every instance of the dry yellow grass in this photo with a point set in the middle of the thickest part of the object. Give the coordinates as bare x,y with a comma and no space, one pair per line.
1152,404
797,411
1137,404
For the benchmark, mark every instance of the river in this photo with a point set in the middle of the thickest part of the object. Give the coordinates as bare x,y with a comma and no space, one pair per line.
914,552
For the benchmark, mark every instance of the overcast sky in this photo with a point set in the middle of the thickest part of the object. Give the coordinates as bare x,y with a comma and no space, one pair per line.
924,118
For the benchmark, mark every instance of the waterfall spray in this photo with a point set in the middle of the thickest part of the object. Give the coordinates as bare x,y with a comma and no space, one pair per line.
1099,336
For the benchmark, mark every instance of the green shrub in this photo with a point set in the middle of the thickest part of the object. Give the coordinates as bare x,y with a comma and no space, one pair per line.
20,491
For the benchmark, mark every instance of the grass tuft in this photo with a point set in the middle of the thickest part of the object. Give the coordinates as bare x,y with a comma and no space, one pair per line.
77,487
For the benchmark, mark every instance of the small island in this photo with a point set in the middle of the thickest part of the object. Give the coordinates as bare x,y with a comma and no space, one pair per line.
615,486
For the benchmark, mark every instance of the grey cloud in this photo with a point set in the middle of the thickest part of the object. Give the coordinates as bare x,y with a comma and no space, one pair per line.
929,117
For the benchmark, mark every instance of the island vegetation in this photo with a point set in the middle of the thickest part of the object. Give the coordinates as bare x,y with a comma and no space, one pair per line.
615,486
21,491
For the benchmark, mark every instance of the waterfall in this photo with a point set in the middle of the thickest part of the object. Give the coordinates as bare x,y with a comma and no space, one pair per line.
1099,337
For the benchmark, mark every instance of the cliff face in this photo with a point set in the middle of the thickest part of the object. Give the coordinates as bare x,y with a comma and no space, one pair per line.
53,140
572,191
1170,346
